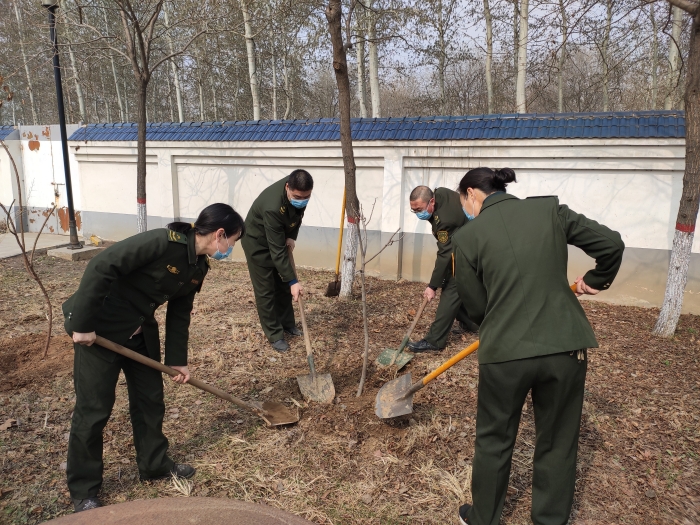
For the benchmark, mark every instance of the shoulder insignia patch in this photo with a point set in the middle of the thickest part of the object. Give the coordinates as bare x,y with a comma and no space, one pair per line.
177,237
437,219
443,236
283,210
173,269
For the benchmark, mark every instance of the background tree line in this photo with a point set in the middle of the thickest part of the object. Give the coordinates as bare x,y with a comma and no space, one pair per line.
271,59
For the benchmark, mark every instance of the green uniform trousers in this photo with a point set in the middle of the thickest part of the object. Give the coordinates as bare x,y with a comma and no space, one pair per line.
95,383
557,383
449,309
273,300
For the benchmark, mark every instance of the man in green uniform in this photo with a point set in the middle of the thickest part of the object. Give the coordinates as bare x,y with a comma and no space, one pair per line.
511,272
444,212
272,226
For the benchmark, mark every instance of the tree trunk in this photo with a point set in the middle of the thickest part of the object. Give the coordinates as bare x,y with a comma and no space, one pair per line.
126,101
286,87
520,102
606,67
214,99
274,85
201,99
673,57
141,217
688,210
122,114
562,53
26,64
340,66
250,49
516,33
373,62
173,66
442,59
78,88
170,97
654,58
489,56
361,74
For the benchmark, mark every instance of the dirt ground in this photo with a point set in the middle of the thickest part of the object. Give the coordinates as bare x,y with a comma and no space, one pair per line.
640,435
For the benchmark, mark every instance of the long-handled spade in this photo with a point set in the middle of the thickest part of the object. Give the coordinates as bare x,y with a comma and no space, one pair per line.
313,386
272,413
390,357
395,398
334,286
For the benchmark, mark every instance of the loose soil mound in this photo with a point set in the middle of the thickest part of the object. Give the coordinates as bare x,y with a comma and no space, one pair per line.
22,363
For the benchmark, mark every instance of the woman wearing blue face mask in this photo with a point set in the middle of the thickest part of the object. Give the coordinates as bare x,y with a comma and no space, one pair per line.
117,298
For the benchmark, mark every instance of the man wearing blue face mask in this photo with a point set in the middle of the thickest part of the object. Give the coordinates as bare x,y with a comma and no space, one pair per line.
443,210
272,226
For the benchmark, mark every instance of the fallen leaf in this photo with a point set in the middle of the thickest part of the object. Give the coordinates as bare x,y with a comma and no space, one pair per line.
8,424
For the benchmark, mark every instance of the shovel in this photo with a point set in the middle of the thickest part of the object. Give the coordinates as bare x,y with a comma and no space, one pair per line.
273,414
313,386
334,286
396,397
390,357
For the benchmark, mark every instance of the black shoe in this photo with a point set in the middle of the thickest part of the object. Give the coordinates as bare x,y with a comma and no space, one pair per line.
463,511
281,345
86,504
422,346
180,470
294,331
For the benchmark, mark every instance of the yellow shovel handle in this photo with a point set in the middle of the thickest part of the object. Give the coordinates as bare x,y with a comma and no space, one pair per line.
457,358
340,235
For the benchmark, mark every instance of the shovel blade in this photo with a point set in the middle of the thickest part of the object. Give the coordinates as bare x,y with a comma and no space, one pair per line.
392,400
385,358
321,390
333,289
277,413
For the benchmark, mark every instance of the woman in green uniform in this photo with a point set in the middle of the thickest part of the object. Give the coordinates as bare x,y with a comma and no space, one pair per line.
117,298
510,268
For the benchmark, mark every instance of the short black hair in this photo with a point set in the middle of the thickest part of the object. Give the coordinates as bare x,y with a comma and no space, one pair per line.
300,180
422,193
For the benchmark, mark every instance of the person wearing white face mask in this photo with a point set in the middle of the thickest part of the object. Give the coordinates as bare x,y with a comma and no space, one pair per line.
119,293
442,209
272,226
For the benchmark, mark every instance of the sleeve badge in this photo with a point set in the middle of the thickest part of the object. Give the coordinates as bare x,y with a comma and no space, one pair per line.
443,236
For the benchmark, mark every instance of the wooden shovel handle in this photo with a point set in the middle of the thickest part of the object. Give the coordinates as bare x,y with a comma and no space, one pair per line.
456,359
415,319
307,339
119,349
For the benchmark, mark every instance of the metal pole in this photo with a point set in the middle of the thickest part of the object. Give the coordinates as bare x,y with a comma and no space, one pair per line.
75,244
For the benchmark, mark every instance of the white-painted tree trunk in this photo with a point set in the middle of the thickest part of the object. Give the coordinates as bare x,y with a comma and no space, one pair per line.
173,66
675,286
373,63
520,100
347,269
673,56
250,50
26,64
141,222
562,54
489,56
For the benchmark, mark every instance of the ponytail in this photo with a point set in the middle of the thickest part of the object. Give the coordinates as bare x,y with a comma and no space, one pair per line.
212,218
487,180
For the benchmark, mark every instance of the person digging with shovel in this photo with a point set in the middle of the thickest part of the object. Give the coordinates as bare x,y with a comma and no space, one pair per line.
120,291
442,209
272,226
511,273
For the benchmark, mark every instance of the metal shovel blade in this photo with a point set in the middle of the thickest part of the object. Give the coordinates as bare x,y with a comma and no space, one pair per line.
321,390
333,289
392,400
276,414
385,358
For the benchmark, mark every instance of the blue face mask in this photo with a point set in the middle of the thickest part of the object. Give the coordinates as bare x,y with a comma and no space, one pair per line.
423,215
218,255
469,216
299,204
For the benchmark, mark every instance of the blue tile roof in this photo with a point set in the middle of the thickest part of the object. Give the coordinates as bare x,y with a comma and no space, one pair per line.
639,124
5,131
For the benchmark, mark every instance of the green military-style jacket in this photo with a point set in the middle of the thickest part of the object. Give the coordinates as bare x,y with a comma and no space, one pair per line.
446,219
269,223
124,285
510,268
